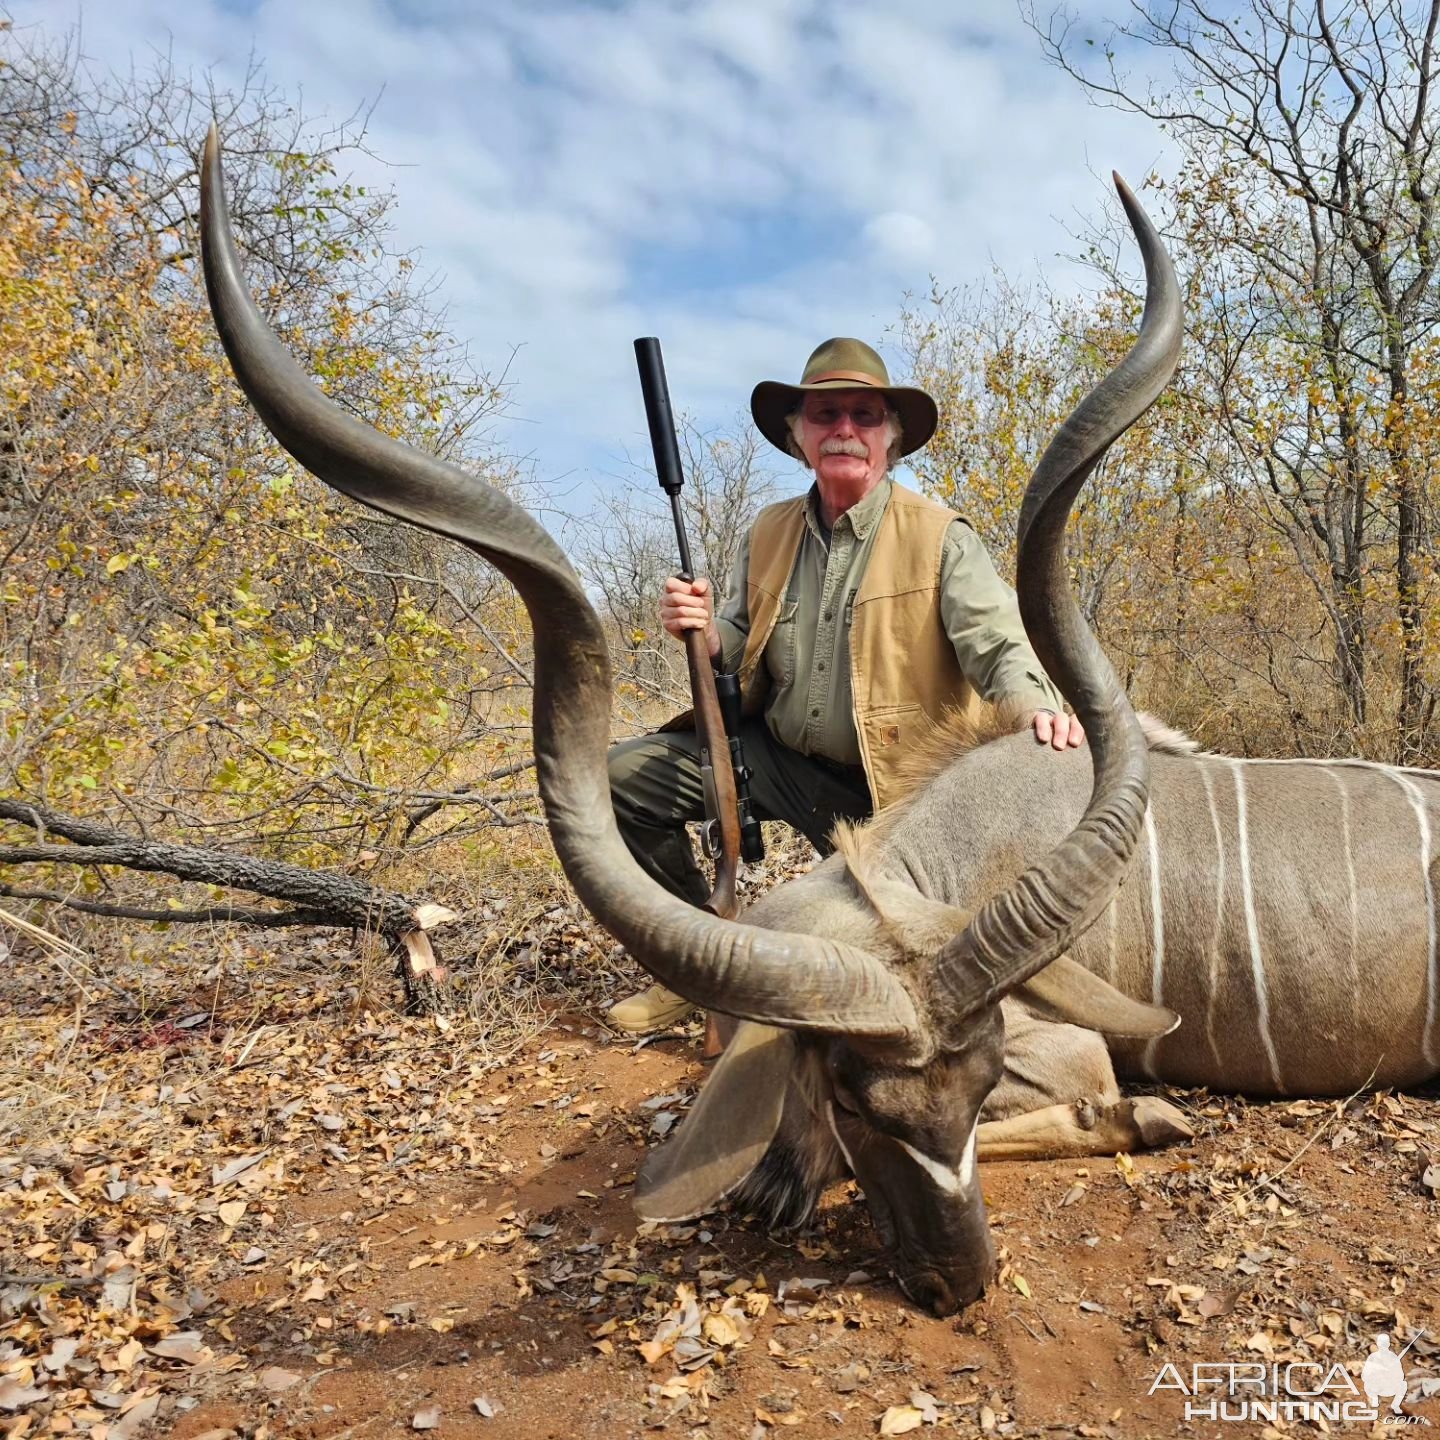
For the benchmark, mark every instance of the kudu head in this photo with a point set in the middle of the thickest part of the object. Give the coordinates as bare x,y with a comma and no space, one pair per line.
900,1054
783,1115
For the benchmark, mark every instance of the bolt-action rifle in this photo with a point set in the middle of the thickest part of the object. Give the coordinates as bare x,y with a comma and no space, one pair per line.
731,829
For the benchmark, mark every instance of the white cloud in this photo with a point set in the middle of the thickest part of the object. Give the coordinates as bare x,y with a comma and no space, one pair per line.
741,177
900,239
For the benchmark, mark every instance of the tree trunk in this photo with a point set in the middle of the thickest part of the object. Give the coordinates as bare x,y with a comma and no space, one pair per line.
1410,715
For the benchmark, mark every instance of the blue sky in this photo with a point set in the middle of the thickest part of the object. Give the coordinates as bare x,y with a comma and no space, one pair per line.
740,177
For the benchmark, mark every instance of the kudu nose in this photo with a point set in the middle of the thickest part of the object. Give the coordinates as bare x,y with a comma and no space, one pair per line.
943,1295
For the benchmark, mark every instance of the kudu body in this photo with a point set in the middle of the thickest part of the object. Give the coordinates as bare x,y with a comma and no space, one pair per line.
1286,909
916,1000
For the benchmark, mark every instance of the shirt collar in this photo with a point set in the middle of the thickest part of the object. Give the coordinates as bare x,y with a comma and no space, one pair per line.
862,517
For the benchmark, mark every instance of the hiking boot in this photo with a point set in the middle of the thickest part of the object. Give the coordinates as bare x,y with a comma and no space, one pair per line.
654,1009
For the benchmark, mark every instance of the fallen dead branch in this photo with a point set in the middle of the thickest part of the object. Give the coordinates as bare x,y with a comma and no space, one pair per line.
319,898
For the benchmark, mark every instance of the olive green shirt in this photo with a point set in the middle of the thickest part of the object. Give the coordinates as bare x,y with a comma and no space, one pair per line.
810,707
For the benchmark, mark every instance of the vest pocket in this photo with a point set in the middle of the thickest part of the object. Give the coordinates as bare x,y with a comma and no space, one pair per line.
888,735
780,648
894,726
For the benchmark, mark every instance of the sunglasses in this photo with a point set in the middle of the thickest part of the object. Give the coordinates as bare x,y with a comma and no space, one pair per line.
864,414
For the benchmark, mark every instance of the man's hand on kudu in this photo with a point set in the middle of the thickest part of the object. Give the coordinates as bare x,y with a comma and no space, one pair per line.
1060,731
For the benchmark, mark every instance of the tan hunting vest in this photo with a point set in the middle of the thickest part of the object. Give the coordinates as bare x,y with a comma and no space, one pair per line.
903,672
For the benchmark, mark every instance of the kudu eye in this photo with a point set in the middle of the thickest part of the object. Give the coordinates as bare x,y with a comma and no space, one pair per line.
844,1099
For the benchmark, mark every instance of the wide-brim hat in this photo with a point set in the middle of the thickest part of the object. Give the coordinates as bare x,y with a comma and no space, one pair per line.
843,364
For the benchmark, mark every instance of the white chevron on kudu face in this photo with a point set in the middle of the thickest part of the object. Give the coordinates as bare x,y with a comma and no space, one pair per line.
1252,927
1157,933
956,1181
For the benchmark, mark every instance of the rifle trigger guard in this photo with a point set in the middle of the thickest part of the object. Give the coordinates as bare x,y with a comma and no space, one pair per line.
710,841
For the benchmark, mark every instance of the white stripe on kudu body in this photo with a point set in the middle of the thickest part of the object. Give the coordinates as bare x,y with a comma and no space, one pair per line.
1349,761
1353,894
1422,817
1212,988
1252,927
1157,933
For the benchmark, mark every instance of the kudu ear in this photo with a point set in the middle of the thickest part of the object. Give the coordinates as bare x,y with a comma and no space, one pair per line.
727,1132
1067,991
918,925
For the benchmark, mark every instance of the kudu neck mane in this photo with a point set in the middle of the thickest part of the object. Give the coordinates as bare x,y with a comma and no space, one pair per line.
963,732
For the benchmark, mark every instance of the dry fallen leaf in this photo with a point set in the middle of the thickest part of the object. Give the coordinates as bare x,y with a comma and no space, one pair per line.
223,1175
186,1346
13,1395
128,1354
275,1379
927,1405
426,1418
901,1420
780,1417
62,1352
131,1421
720,1330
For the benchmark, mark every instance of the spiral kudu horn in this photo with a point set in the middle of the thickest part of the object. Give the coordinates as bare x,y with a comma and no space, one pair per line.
796,981
1021,930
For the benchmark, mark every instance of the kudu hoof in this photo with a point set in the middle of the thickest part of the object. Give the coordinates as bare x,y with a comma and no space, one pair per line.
1159,1122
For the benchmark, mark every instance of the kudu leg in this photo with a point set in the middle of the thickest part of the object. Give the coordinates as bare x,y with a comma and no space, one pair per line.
1058,1099
714,1045
1065,1131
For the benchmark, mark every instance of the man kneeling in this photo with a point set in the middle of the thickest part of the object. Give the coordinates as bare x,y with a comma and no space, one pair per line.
859,614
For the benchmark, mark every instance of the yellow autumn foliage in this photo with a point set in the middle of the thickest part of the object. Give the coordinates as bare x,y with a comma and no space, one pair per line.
195,638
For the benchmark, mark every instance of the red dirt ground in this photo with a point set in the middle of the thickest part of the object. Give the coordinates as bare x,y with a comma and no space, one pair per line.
405,1281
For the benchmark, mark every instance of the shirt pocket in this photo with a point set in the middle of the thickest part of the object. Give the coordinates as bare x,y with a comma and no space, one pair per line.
780,648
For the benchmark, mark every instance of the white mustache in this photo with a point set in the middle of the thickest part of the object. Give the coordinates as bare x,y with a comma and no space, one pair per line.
844,447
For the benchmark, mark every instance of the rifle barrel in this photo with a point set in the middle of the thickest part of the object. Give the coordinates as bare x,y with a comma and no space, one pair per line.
666,448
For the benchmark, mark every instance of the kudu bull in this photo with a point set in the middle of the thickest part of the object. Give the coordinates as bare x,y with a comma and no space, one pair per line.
938,990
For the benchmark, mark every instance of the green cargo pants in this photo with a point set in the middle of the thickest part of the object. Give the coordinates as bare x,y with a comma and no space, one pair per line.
655,785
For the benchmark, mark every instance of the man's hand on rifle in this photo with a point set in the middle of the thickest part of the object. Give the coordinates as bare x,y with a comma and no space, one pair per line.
690,605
